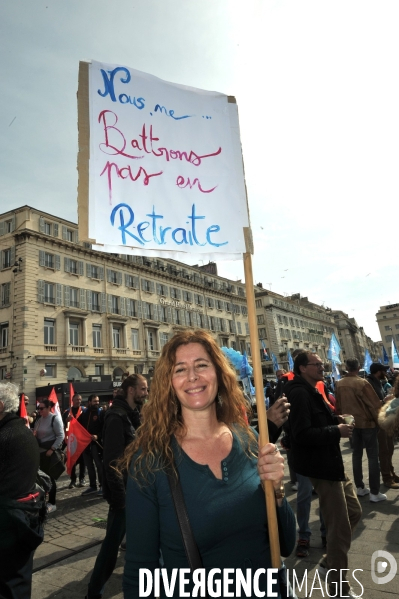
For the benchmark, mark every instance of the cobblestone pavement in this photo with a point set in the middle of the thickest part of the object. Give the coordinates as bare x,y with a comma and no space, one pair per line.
73,534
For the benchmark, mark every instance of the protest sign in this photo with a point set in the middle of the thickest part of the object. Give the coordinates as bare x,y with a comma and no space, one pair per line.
160,166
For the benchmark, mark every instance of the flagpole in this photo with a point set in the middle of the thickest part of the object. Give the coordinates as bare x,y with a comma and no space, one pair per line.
260,401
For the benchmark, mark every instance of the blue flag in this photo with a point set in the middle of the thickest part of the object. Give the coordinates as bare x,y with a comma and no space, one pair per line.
395,356
275,363
333,350
335,372
290,360
385,359
246,369
367,361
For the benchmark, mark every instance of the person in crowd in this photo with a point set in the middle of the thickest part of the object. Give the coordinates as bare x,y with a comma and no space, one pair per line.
49,433
21,504
92,420
377,379
74,412
357,397
194,426
315,435
388,420
120,423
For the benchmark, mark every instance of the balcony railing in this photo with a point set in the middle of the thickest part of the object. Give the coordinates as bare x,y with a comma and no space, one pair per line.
50,348
78,349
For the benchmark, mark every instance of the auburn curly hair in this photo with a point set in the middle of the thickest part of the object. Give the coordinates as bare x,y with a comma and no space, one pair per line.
162,417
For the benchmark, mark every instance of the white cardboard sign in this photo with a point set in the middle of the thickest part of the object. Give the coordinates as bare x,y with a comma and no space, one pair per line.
165,168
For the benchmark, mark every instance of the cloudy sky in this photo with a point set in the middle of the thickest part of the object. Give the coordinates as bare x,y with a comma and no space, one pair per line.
317,88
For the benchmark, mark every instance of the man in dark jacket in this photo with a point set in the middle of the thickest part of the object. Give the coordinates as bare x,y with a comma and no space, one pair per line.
22,506
120,422
315,435
92,420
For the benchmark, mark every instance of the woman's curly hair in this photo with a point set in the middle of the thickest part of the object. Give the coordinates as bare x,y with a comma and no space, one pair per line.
161,415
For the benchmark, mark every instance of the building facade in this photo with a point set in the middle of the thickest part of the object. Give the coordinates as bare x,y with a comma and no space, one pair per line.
289,323
388,323
69,313
353,339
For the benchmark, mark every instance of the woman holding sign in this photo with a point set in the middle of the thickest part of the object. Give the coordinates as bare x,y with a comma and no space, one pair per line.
194,431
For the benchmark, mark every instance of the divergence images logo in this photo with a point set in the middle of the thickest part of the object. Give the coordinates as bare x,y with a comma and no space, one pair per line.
381,566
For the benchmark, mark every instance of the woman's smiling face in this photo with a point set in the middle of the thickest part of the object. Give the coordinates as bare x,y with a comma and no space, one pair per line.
194,377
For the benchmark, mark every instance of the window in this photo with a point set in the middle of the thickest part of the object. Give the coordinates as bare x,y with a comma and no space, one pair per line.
210,302
115,305
135,339
279,319
4,334
95,301
47,228
387,327
97,341
114,277
6,258
133,308
75,267
48,260
162,289
95,272
69,234
74,333
249,349
5,294
74,297
147,286
175,293
164,313
246,328
152,340
212,323
50,370
262,333
131,281
49,331
258,303
3,373
260,319
138,369
388,337
49,297
98,369
164,338
244,310
177,317
187,296
241,291
239,329
116,336
198,299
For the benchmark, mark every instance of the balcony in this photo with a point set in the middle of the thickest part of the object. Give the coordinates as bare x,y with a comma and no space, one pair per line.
77,349
50,348
98,350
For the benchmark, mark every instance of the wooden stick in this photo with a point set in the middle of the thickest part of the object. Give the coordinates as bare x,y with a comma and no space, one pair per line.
261,409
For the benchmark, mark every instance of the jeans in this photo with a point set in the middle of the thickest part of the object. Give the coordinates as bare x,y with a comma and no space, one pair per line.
385,453
341,512
106,559
366,437
16,574
82,469
91,457
303,501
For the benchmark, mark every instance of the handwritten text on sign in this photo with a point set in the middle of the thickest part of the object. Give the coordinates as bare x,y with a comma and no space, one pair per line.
165,165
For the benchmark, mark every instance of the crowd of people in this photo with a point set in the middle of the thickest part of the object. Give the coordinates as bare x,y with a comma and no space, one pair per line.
191,436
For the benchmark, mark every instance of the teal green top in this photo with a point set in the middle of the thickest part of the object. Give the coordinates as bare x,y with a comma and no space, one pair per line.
228,519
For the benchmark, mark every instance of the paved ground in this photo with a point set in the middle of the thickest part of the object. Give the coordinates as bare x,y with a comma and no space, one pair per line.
65,559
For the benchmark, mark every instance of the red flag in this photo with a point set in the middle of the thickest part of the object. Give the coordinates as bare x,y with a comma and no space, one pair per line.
78,440
22,410
71,394
53,397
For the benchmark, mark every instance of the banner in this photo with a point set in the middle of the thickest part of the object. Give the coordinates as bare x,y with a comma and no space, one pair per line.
265,354
22,410
395,356
385,359
367,361
275,363
165,166
333,350
78,440
290,361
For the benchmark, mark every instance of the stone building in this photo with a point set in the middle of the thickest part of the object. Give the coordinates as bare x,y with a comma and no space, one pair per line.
353,339
388,323
70,313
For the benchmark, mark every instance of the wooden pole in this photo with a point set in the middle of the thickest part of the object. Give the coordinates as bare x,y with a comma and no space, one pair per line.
260,404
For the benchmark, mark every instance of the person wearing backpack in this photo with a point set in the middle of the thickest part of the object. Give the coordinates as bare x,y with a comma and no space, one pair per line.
49,433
